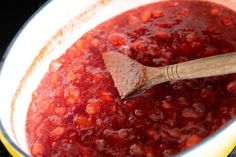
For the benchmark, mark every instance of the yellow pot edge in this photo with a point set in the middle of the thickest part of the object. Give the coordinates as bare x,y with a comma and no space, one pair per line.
15,153
227,145
224,148
220,153
8,146
228,150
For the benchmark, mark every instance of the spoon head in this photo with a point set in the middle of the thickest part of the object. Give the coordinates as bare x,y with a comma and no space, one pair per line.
127,74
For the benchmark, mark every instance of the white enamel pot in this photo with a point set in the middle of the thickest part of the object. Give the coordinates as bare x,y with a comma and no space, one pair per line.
46,36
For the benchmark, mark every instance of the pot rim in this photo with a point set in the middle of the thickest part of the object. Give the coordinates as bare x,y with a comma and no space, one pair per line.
10,145
15,150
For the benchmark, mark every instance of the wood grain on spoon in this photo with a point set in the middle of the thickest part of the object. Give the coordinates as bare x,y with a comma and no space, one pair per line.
132,78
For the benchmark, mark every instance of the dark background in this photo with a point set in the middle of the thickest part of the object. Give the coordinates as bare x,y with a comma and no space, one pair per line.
13,14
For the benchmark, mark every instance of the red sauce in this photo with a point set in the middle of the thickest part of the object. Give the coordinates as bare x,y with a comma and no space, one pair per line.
76,110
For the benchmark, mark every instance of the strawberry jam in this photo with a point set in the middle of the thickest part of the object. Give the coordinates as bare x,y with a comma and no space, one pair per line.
76,110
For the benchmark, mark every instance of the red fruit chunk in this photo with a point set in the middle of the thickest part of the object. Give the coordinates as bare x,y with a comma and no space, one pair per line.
231,87
71,76
153,134
224,110
190,37
166,105
140,46
173,132
138,32
37,149
54,66
95,42
71,95
138,112
167,152
116,39
164,25
146,15
157,13
86,151
100,144
162,35
189,113
173,4
200,109
93,106
98,77
183,101
208,95
184,12
55,79
210,52
57,132
119,134
215,11
196,44
78,69
226,21
106,96
136,150
233,112
134,20
60,110
80,45
192,140
149,152
83,121
156,116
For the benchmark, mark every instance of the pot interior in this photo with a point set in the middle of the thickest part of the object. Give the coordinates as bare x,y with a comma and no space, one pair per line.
30,54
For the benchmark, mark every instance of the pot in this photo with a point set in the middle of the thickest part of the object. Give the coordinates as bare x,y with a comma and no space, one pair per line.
46,36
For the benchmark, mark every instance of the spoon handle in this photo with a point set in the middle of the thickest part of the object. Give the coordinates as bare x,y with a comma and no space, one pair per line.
205,67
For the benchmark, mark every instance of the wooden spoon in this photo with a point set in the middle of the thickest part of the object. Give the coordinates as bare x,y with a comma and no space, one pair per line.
132,78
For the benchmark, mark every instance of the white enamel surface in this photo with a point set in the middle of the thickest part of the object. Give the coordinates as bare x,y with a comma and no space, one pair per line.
58,15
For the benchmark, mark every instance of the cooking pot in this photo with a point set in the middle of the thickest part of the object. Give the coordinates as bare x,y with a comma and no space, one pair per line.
46,36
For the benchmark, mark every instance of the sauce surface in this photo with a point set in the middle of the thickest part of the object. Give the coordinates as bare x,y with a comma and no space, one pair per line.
76,110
